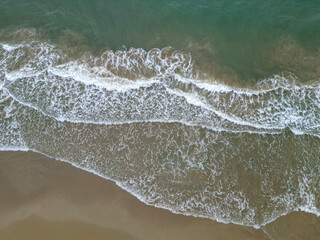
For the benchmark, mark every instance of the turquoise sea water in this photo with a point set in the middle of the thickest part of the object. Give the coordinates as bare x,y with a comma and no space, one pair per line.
206,108
238,34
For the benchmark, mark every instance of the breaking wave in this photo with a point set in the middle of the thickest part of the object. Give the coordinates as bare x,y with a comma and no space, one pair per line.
151,122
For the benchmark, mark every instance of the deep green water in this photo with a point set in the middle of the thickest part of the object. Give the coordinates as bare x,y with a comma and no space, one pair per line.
237,34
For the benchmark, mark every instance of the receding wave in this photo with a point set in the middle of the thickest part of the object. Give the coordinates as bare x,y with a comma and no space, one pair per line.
151,122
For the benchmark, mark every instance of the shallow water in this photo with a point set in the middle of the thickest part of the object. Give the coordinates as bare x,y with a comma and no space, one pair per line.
211,126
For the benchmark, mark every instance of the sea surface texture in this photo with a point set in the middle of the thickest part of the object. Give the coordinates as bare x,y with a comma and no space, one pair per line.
205,108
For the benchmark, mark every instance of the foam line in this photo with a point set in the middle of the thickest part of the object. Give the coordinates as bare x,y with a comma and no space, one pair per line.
264,130
142,199
44,87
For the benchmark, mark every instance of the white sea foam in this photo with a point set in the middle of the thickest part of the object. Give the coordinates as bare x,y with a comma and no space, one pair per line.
82,74
306,208
144,120
160,120
276,115
105,73
8,47
194,99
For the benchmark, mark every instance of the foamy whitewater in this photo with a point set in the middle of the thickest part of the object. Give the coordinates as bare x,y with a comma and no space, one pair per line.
150,122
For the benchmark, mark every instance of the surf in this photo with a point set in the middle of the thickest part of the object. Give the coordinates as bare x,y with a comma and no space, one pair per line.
167,133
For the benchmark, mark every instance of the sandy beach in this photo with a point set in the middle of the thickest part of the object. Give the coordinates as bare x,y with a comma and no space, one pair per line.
42,198
159,120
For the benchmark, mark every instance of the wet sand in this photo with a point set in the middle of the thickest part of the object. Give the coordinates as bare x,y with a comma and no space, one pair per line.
42,198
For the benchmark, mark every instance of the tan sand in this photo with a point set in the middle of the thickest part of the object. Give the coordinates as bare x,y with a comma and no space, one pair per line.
42,198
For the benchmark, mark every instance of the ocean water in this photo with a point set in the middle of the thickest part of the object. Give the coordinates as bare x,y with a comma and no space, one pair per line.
205,108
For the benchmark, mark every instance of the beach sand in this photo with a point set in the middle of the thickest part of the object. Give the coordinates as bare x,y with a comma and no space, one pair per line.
43,198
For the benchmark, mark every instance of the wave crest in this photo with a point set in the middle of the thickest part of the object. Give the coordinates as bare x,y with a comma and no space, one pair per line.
146,121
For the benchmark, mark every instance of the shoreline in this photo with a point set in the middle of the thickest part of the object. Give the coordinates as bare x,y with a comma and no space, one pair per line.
40,191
